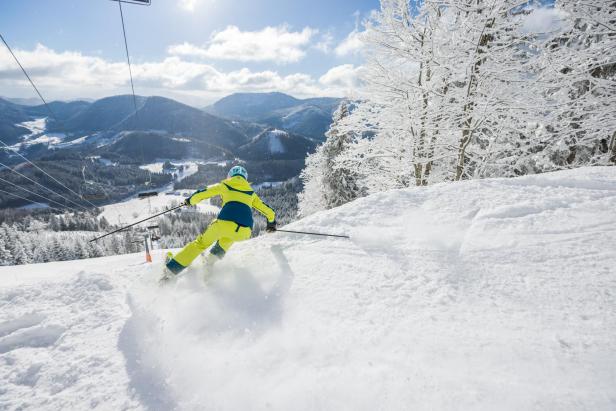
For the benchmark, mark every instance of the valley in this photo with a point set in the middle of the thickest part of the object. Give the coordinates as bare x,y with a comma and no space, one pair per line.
107,152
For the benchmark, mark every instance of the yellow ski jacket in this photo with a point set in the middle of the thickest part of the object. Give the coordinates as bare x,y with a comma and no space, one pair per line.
238,200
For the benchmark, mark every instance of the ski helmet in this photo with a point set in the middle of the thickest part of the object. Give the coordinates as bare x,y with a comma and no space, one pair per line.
238,171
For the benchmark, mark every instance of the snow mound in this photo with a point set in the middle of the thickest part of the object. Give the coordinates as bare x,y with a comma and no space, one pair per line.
493,294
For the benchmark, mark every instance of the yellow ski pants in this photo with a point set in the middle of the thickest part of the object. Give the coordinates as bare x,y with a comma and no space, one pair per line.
222,231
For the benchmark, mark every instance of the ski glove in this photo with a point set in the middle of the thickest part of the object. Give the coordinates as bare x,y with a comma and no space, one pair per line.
187,202
271,227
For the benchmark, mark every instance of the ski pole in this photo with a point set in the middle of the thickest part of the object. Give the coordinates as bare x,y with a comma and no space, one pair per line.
140,221
305,232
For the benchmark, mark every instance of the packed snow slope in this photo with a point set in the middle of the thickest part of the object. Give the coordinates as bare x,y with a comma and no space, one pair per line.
493,294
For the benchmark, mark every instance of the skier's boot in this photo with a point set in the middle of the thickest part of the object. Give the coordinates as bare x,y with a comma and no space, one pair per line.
210,260
168,275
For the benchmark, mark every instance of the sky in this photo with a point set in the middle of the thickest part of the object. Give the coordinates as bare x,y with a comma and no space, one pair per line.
195,51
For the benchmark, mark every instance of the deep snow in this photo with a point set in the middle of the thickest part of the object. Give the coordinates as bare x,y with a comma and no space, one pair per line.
493,294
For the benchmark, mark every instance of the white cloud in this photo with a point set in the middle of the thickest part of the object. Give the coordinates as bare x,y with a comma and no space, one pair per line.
544,20
67,75
276,44
325,43
345,77
52,69
352,44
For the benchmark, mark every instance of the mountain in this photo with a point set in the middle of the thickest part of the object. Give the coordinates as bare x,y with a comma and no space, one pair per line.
252,106
493,294
11,115
29,101
309,117
276,145
101,115
159,113
116,114
148,146
161,128
62,110
108,117
308,120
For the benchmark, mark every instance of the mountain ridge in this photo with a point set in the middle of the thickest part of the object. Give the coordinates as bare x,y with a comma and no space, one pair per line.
310,117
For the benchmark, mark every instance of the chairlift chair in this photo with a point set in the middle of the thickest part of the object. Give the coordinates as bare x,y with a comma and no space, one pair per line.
146,194
154,232
140,2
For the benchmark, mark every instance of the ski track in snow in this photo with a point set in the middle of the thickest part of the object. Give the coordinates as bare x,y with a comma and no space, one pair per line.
482,295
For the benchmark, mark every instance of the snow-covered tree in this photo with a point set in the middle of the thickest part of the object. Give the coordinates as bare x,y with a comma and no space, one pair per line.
579,67
311,199
465,89
340,184
19,253
95,250
57,250
327,182
80,250
6,257
41,253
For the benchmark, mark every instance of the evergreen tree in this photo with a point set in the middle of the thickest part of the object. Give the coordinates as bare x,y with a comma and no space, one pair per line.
94,250
327,182
103,224
19,253
41,253
312,198
57,251
341,185
5,255
116,247
80,251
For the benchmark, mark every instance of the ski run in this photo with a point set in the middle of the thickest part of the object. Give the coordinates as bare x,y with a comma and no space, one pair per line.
480,295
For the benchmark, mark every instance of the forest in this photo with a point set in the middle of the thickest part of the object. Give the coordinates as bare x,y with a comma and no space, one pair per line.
40,236
467,90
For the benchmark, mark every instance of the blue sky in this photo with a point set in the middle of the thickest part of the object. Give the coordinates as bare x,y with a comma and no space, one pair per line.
193,50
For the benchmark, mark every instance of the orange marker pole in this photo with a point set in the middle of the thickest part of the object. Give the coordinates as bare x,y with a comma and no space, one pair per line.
148,257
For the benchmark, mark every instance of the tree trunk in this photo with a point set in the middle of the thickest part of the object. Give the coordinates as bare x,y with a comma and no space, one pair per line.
465,140
419,154
612,149
418,173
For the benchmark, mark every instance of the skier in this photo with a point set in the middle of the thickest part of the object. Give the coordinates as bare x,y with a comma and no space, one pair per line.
234,222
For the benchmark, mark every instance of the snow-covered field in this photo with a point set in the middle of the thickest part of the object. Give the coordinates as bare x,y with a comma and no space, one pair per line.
134,209
38,135
190,168
493,294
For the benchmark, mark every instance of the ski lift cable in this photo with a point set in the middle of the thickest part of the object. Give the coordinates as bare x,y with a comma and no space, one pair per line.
130,71
40,185
28,77
27,199
46,173
48,109
132,85
39,195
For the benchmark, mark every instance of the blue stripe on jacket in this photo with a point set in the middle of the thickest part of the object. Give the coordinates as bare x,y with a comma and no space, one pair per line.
237,212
